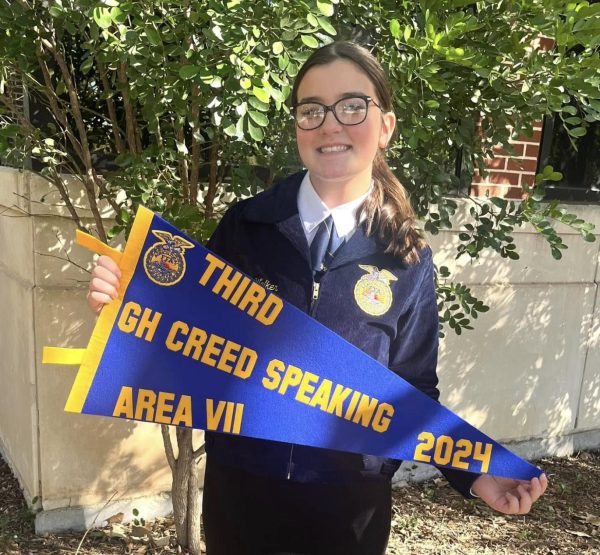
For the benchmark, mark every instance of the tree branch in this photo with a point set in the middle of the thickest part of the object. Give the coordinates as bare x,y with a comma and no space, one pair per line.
164,430
213,178
89,180
64,195
112,112
199,452
196,150
183,166
14,111
57,111
133,139
102,186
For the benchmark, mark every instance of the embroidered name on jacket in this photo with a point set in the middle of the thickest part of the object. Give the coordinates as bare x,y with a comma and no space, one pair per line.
267,284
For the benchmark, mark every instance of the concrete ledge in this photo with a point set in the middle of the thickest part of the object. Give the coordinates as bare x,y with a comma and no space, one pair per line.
531,449
94,516
558,446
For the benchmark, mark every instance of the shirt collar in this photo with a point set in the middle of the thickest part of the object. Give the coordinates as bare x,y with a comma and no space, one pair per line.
313,210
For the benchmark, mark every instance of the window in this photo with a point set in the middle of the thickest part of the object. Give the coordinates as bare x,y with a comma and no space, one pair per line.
580,168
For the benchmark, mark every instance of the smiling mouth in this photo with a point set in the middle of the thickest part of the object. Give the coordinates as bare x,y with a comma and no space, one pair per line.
333,148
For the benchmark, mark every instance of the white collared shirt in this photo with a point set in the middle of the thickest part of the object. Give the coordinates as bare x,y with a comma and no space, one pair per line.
313,211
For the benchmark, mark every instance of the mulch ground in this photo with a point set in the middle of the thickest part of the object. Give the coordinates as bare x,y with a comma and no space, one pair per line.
429,518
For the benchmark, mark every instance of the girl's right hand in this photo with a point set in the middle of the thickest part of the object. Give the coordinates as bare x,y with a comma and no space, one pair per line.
104,283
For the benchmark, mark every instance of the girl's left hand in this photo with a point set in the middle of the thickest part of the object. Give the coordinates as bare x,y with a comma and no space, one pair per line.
505,495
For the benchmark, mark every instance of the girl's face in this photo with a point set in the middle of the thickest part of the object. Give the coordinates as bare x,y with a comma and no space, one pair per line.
339,156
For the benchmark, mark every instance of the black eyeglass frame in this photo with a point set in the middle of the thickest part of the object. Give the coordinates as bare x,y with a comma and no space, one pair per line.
331,108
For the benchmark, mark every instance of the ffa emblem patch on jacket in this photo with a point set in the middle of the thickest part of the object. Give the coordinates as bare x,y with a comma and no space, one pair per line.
164,261
372,292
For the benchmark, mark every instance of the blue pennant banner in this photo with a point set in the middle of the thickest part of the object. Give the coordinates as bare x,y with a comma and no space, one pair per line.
193,342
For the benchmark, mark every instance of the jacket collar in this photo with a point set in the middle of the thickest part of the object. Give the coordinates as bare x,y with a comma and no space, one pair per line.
278,205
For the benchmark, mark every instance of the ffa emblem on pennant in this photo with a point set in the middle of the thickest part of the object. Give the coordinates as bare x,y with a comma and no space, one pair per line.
164,261
372,292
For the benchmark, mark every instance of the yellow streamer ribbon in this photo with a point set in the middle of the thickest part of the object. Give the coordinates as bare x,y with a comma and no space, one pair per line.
93,244
89,358
62,355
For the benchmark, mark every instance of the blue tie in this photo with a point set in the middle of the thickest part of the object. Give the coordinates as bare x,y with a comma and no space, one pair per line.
323,246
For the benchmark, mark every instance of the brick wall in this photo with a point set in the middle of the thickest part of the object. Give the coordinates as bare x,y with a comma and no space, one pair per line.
506,176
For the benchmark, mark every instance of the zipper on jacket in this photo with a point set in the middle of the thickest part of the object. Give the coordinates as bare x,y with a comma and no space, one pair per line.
316,286
315,295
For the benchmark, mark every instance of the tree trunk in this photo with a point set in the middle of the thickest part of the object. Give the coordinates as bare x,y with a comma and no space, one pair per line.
185,491
213,178
194,509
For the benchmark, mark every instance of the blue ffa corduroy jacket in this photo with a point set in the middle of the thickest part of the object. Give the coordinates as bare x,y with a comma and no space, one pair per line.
263,237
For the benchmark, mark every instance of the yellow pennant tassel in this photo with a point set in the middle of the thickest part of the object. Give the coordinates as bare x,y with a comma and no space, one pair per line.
93,244
62,355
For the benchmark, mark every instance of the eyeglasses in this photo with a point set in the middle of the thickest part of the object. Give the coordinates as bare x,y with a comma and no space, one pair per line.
347,111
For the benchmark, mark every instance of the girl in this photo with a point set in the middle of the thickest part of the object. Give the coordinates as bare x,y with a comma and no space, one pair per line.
312,237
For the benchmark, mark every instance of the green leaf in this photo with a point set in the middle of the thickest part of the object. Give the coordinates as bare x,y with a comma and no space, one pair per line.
279,80
310,41
573,121
258,104
230,130
259,118
577,132
153,35
87,65
248,69
547,171
277,47
55,11
312,20
395,28
117,15
61,88
283,62
326,8
188,72
277,95
570,109
102,17
255,132
124,216
499,202
261,94
326,26
245,83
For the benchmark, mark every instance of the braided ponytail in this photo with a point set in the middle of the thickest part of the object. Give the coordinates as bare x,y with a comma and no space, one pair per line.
390,215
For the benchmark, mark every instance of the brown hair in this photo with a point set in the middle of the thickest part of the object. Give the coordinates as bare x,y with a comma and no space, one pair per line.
388,211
